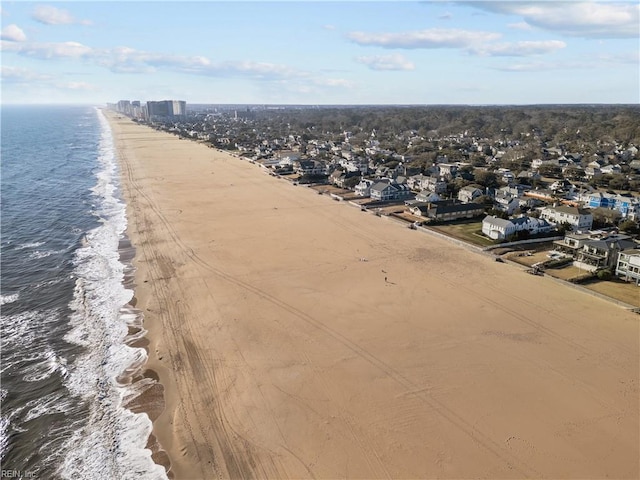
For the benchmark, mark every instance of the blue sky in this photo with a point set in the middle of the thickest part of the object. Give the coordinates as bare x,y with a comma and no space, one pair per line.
303,52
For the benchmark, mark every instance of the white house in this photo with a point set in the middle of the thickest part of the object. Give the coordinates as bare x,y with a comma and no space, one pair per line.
425,196
506,203
309,167
591,172
531,224
628,265
385,190
434,184
611,169
578,218
447,170
497,228
469,193
363,189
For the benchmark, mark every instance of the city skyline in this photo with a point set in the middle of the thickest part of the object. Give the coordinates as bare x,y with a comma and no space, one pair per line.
316,53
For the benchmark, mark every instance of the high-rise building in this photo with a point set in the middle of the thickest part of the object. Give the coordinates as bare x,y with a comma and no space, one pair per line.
124,106
166,109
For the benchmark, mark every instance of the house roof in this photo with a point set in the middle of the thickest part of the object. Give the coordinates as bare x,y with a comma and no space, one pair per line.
422,207
570,210
438,208
612,243
380,186
497,222
530,220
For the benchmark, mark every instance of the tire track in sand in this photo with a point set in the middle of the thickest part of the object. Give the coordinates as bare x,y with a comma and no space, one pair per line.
448,414
236,464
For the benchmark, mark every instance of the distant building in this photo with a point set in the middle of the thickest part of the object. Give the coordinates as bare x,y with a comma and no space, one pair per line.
124,106
166,109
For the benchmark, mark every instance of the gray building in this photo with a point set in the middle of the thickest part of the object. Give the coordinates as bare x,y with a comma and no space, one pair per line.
166,109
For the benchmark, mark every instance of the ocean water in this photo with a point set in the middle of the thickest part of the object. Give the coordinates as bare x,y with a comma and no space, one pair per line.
64,301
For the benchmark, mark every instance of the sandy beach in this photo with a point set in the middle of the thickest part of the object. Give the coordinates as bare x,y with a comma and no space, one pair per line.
298,337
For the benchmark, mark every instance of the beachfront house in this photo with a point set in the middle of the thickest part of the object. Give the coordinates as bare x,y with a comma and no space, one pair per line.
497,228
363,189
309,167
501,229
602,251
449,210
578,218
388,190
572,243
339,178
628,265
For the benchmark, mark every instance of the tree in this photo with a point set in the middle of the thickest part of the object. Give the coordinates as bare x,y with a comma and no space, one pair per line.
573,173
563,228
628,226
618,182
478,161
550,170
485,200
603,217
498,213
485,178
351,182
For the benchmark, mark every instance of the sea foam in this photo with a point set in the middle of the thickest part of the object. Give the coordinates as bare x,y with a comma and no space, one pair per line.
112,441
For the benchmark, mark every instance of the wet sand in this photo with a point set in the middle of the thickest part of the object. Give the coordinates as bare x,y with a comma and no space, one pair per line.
297,337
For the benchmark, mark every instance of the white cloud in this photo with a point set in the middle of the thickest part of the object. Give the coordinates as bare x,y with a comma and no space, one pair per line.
13,33
386,62
50,15
431,38
127,60
333,82
528,67
592,62
22,75
517,49
51,50
82,86
586,19
520,26
620,58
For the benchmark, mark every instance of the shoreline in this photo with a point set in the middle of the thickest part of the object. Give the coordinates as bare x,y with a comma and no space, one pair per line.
151,399
190,358
146,389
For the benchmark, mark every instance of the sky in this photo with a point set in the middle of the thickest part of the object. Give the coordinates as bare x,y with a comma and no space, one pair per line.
320,52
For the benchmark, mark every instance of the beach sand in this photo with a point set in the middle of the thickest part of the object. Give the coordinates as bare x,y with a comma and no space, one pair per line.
298,337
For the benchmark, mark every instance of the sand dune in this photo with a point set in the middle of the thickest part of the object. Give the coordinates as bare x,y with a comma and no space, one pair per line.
285,355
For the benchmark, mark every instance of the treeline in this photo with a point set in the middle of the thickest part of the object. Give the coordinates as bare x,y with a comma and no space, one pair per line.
550,124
